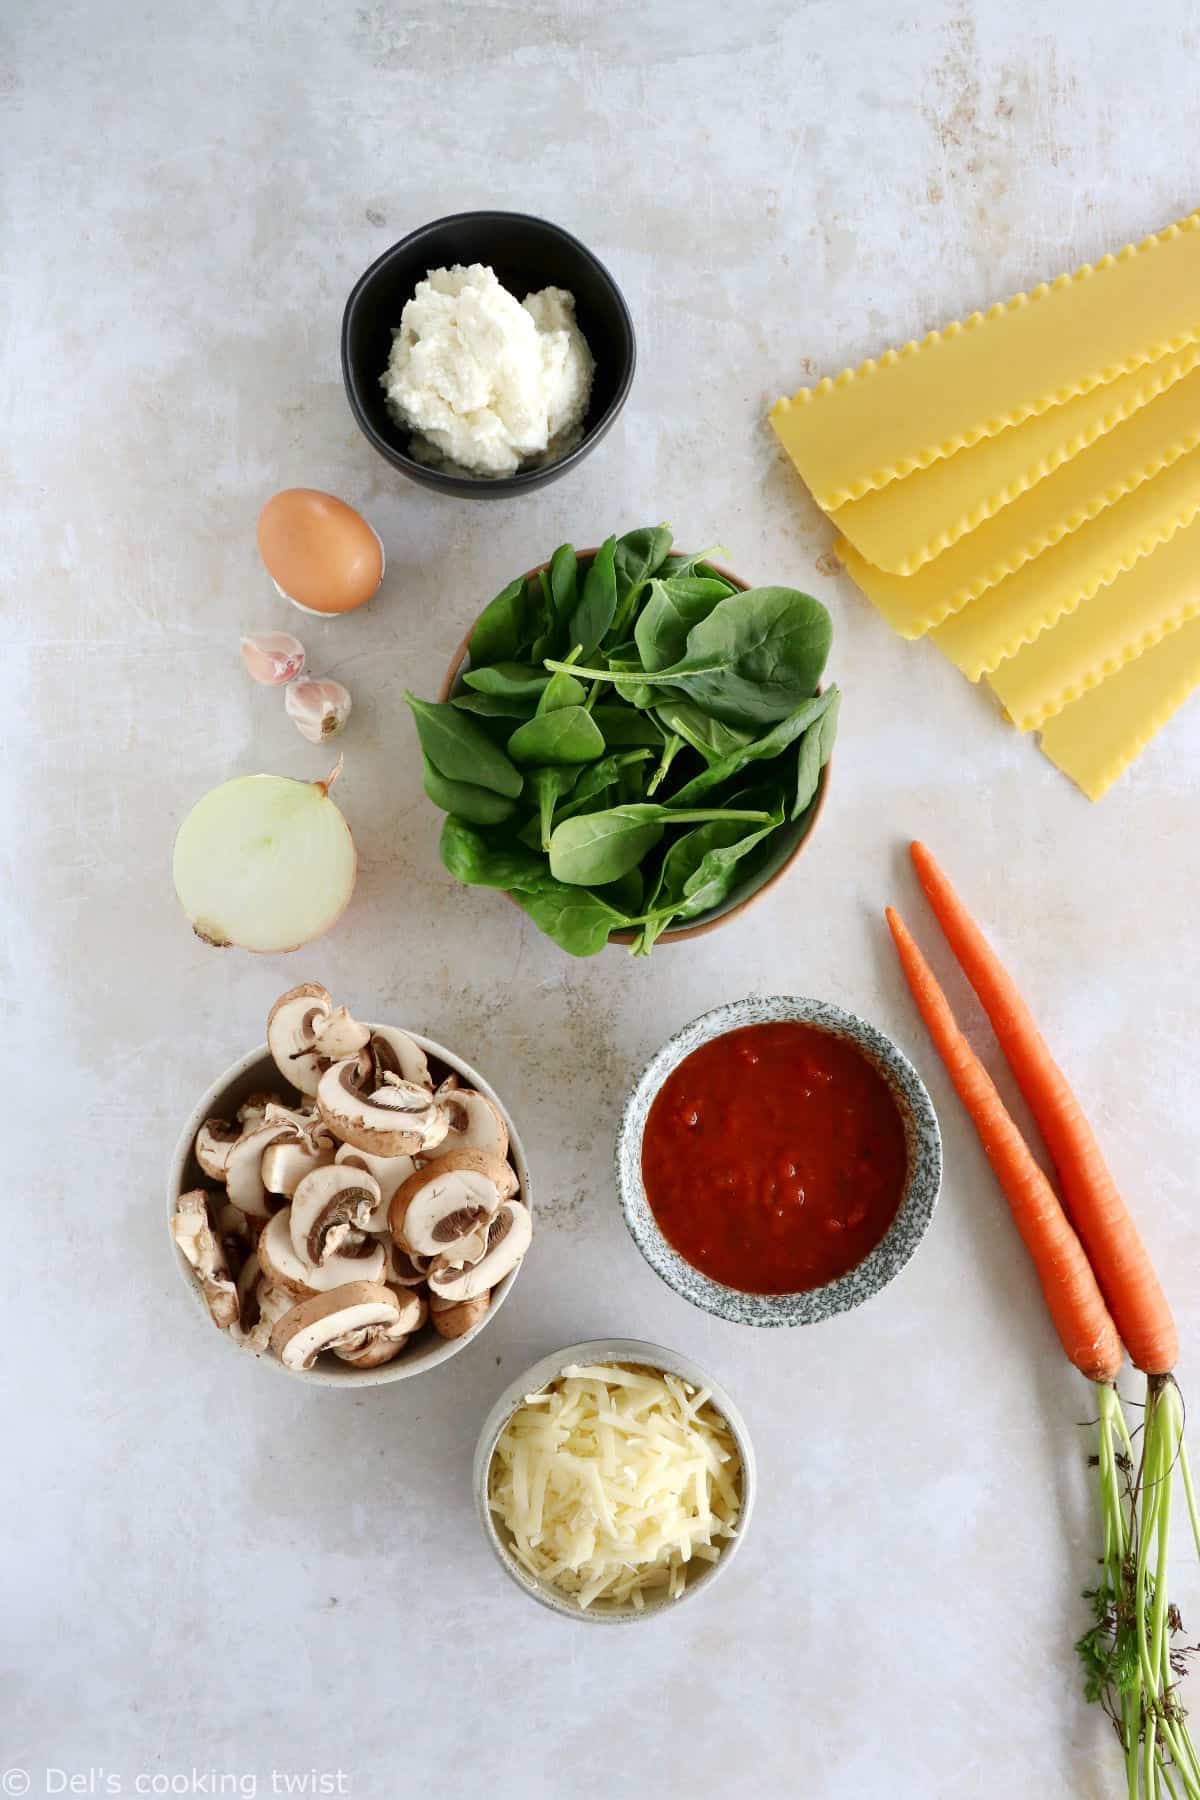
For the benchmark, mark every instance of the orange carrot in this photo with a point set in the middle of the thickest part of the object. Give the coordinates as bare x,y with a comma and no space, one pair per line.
1090,1194
1082,1320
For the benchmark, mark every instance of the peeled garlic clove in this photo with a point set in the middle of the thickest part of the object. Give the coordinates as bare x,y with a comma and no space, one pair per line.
273,657
318,709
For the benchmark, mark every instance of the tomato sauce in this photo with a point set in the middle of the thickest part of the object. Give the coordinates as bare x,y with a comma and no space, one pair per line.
774,1158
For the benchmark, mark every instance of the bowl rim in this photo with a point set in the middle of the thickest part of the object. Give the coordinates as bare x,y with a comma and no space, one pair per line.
461,482
894,1250
678,934
545,1370
403,1367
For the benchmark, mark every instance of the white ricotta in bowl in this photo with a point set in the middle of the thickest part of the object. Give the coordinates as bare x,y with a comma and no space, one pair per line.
484,381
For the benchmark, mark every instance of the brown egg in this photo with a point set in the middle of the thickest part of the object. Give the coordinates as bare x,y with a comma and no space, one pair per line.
320,553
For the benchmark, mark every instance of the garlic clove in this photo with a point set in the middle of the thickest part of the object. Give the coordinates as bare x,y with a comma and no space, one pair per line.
318,709
273,657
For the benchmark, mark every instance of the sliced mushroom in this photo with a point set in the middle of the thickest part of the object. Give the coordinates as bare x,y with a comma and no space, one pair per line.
292,1027
253,1110
244,1178
233,1223
299,1278
454,1318
444,1208
317,1324
476,1123
262,1310
339,1035
373,1345
329,1213
193,1229
398,1118
389,1172
214,1143
402,1269
393,1052
508,1239
286,1162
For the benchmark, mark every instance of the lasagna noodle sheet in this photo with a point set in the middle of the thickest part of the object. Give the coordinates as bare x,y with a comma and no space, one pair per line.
903,526
878,422
1116,465
1019,609
1157,596
1095,739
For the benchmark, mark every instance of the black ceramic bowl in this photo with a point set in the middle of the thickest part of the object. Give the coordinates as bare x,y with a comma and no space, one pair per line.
527,254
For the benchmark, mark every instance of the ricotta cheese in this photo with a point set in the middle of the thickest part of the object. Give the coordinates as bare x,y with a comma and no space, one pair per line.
485,382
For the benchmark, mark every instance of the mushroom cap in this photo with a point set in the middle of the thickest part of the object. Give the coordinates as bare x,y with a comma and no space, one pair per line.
369,1348
292,1031
440,1208
509,1237
243,1178
389,1172
340,1035
476,1123
395,1053
399,1118
287,1161
329,1213
372,1345
214,1144
299,1278
316,1324
194,1232
454,1318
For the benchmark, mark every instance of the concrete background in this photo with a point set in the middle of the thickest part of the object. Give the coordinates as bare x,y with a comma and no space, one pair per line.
206,1570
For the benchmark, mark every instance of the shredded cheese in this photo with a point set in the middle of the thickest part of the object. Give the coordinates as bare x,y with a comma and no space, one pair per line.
612,1480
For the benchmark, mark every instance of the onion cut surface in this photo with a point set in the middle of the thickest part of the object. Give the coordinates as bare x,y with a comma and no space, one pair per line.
612,1480
264,862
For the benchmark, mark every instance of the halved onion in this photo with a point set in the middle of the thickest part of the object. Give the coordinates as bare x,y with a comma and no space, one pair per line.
265,862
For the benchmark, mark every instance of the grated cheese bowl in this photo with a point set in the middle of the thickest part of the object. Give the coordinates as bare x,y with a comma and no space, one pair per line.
608,1350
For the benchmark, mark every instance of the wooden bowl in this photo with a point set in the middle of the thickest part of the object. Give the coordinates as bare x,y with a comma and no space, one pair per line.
789,841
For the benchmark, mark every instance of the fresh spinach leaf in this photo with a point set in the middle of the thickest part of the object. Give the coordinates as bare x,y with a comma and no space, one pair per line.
780,738
596,848
479,861
625,893
508,681
701,867
638,556
625,728
672,608
816,747
544,788
466,799
751,661
711,738
593,613
671,749
564,578
578,921
598,777
569,735
506,625
461,750
562,690
491,706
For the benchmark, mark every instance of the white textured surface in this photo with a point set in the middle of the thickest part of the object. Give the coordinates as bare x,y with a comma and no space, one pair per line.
205,1568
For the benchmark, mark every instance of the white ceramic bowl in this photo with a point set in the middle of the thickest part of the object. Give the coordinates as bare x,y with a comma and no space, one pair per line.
608,1350
899,1242
256,1072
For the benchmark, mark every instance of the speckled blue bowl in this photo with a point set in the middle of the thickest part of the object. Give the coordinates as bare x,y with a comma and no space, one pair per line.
884,1263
